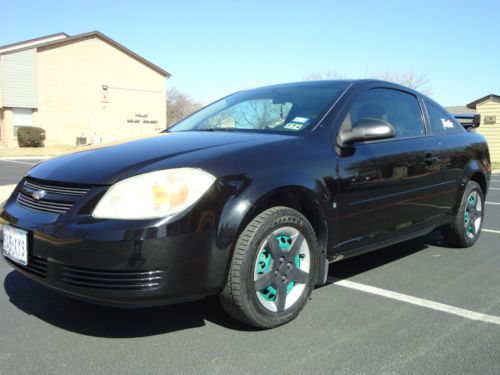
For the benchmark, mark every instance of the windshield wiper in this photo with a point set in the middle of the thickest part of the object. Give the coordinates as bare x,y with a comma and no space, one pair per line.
216,129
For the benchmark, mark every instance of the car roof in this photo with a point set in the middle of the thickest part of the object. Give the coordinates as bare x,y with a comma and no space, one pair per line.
352,82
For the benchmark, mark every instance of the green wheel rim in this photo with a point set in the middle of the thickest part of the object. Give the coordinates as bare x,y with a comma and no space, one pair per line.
281,269
473,215
264,261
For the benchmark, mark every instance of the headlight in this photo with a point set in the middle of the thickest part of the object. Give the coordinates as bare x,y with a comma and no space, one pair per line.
153,195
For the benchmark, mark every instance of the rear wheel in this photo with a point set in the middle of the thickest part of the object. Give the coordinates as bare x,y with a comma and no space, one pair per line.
273,270
465,229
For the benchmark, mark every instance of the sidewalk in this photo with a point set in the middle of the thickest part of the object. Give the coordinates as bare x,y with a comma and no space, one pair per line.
36,152
5,191
55,150
25,157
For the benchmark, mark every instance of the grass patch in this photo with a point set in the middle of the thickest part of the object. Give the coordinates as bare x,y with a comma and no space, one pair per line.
495,165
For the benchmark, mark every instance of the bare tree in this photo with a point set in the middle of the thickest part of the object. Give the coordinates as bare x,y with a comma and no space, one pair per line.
414,81
179,105
220,120
328,74
259,113
254,114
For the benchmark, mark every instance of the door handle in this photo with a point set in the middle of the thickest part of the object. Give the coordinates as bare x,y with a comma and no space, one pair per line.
430,159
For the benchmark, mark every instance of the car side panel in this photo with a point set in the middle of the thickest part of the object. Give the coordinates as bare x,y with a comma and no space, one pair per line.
463,155
387,187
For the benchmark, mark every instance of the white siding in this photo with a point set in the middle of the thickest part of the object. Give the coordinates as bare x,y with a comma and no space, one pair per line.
18,79
491,107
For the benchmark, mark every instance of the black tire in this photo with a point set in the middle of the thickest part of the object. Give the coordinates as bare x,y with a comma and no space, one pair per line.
239,297
456,233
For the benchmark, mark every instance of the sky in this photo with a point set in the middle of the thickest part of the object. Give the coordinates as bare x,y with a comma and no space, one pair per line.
213,48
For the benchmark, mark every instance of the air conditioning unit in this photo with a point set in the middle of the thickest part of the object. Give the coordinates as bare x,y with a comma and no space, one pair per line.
81,141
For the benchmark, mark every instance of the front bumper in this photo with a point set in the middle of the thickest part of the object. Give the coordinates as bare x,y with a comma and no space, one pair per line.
122,263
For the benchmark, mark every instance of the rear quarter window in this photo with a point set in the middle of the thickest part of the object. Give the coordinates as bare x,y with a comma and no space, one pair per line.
441,122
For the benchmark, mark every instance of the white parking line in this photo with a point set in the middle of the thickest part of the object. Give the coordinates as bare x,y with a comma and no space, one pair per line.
472,315
494,188
490,231
492,203
17,161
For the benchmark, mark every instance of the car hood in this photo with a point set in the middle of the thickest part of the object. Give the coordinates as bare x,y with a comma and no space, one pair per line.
108,164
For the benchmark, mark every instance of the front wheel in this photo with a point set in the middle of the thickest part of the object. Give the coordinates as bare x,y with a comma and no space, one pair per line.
465,229
273,270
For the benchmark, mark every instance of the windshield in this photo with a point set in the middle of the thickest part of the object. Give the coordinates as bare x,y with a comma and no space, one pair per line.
287,108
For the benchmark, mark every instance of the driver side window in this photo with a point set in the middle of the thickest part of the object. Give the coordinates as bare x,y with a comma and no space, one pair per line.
398,108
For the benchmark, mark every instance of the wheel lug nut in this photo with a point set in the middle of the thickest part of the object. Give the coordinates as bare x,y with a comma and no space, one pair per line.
276,273
283,278
289,266
282,259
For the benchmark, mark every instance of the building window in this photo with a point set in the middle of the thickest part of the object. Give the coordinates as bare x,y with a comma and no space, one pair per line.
21,117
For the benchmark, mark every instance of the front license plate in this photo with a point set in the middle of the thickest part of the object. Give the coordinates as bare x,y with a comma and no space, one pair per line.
15,244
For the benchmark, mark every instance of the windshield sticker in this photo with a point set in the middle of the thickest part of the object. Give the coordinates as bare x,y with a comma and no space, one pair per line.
300,120
294,126
447,124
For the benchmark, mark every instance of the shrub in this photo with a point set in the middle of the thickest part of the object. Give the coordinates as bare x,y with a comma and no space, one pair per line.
30,136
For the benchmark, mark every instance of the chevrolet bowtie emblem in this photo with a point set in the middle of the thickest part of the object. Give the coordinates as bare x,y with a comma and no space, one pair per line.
39,194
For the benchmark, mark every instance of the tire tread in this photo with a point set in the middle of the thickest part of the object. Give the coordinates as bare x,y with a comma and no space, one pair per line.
231,297
453,233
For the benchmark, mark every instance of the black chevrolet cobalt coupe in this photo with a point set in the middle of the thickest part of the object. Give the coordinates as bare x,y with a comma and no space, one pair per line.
250,198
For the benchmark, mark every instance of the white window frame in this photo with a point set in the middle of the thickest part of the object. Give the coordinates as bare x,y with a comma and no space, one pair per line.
21,117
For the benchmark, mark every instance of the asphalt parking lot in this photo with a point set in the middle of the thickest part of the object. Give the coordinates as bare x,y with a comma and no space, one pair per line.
417,307
12,170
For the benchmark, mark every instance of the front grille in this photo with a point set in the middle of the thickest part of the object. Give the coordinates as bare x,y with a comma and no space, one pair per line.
115,280
64,190
46,206
56,199
36,266
94,279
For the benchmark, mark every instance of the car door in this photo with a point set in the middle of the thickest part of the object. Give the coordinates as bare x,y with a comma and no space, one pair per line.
387,187
450,135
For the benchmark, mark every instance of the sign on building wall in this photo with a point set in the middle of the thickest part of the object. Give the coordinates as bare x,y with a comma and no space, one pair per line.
490,120
104,94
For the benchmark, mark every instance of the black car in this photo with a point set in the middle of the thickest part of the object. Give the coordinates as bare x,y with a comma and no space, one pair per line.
250,198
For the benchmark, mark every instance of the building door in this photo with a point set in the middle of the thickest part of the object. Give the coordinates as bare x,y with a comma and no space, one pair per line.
21,117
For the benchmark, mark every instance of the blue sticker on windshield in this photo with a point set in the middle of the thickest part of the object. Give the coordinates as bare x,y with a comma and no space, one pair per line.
300,120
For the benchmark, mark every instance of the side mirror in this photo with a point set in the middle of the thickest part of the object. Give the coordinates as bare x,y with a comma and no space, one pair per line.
366,129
